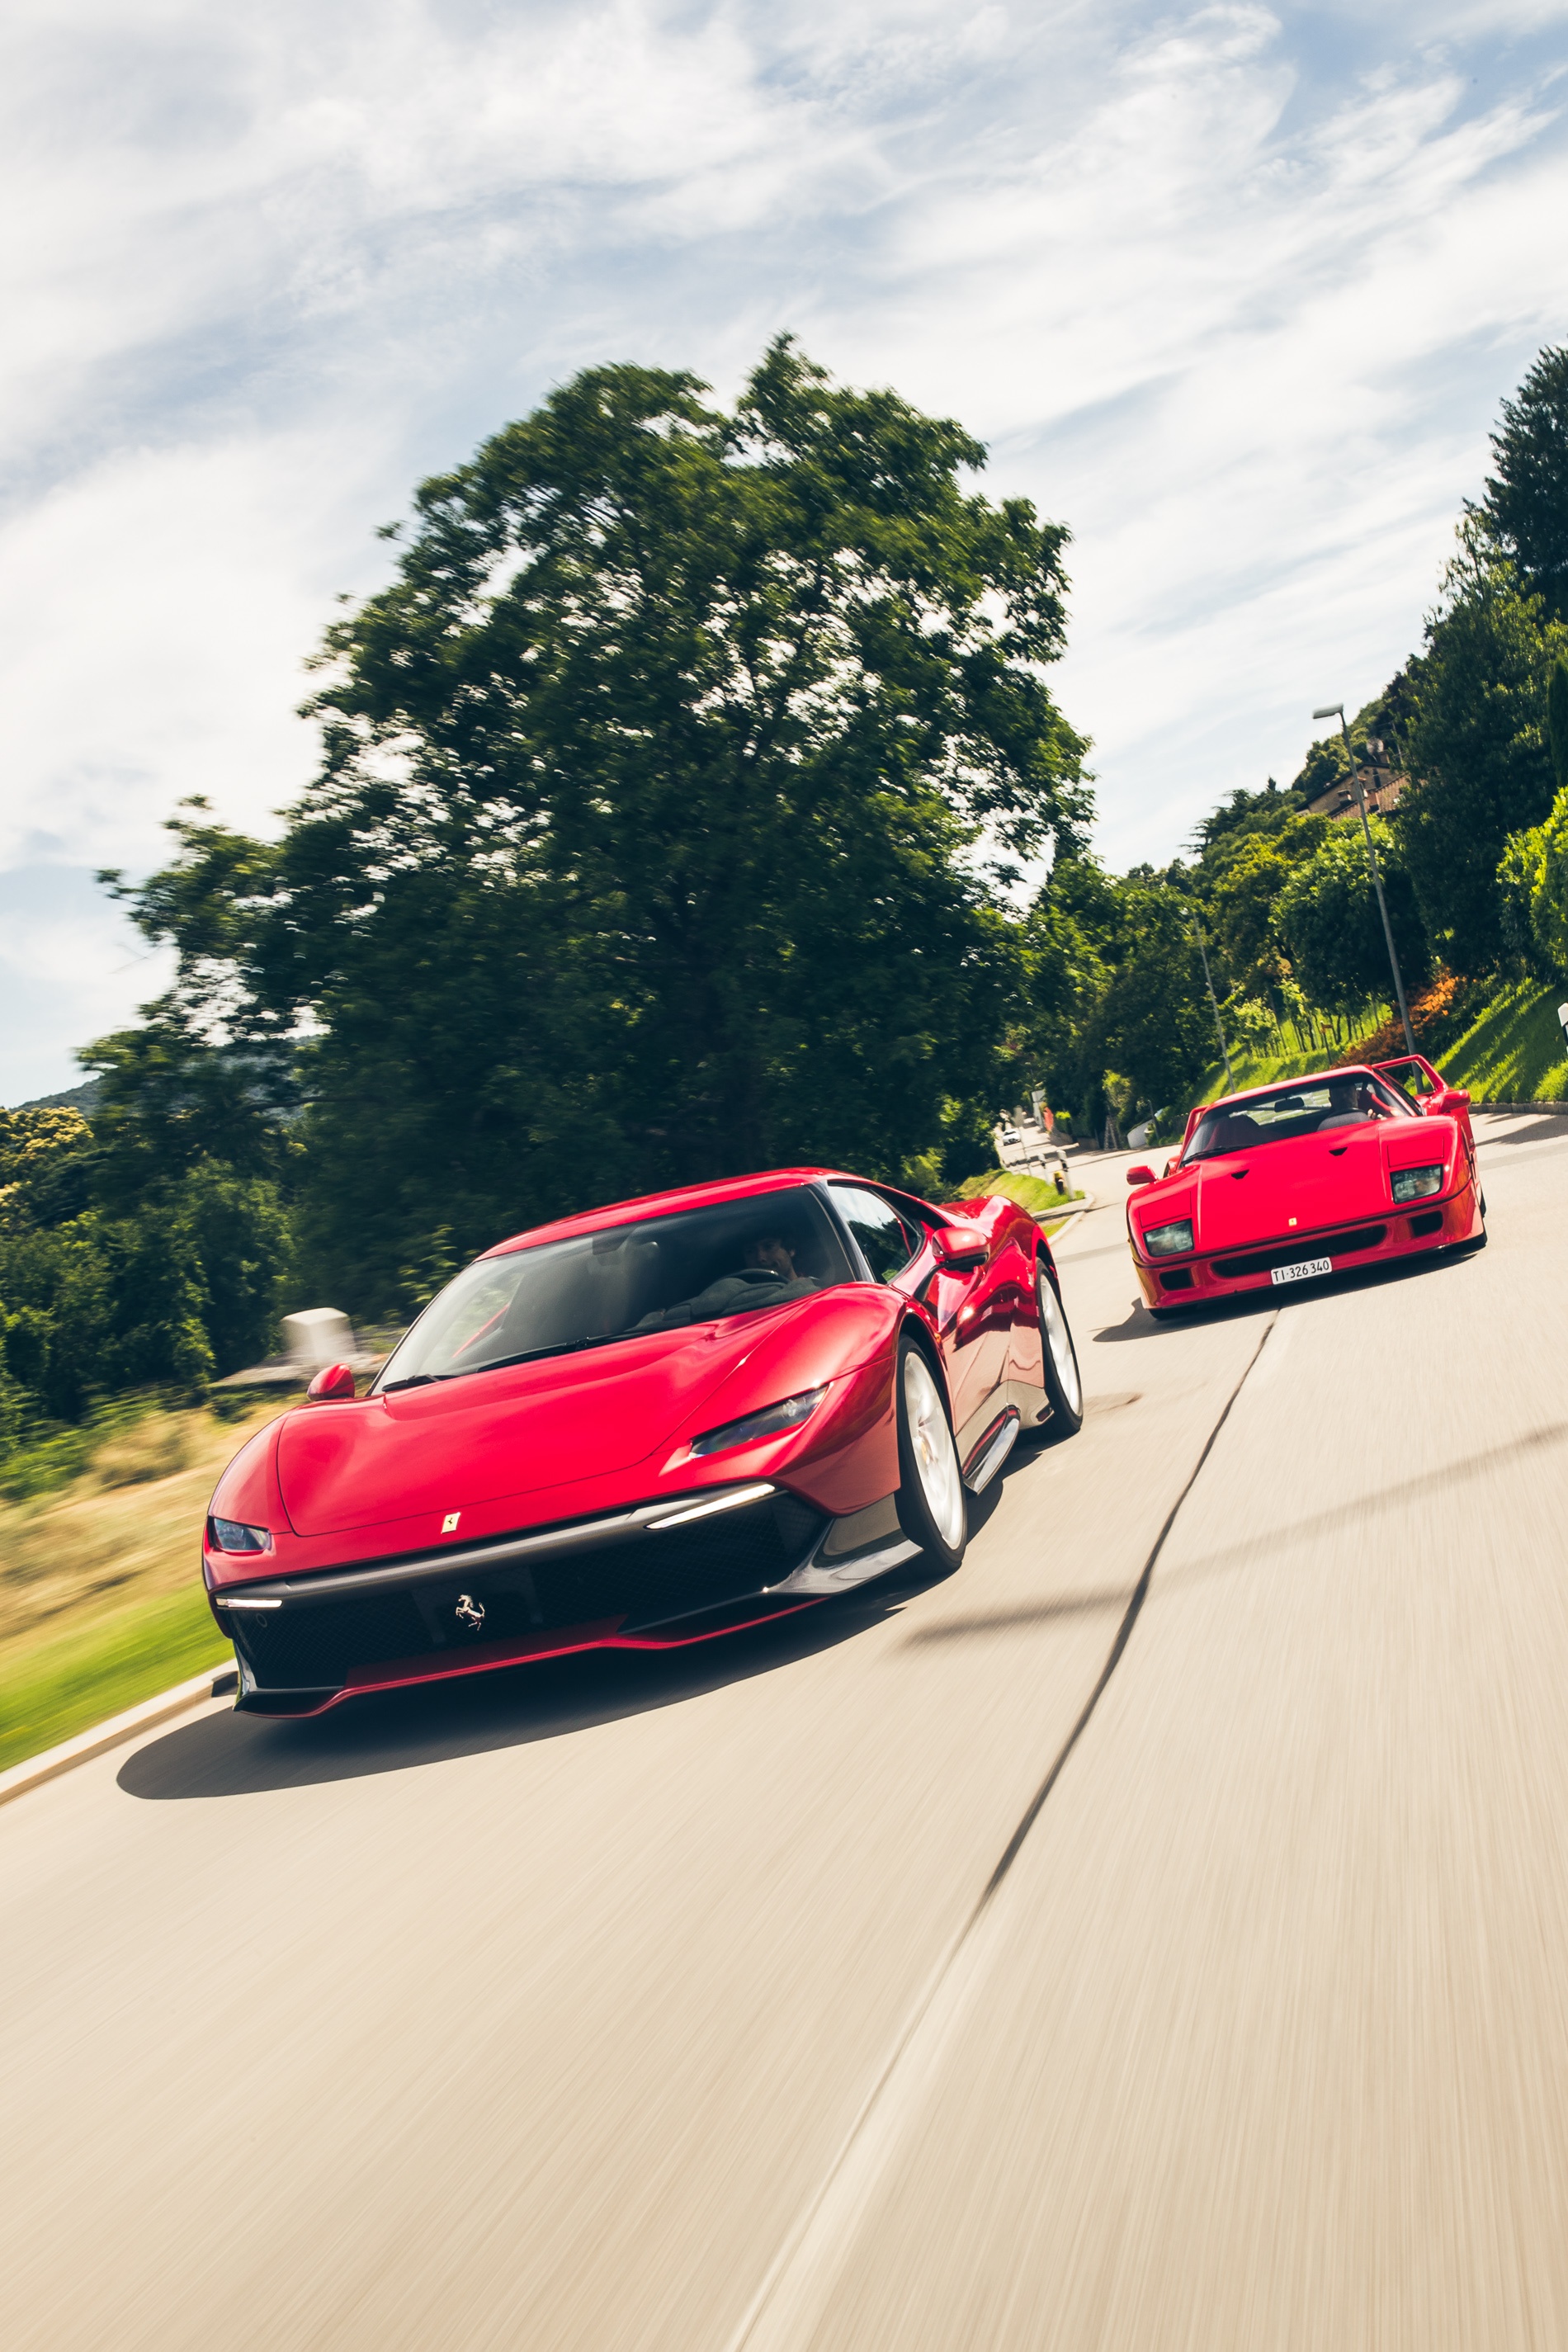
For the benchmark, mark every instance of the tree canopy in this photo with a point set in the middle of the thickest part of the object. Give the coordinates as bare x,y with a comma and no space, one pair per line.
1526,501
666,789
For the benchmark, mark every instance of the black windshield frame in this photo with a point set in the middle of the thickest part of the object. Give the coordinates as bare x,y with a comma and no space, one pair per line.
620,1283
1352,1099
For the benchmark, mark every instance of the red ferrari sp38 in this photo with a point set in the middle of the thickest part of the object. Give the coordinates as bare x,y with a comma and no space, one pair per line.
1286,1183
642,1427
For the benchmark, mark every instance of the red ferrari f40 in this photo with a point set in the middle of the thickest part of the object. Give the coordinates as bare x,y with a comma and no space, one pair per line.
641,1427
1286,1183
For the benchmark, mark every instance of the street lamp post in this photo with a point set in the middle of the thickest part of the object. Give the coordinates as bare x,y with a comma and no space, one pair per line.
1337,711
1213,1007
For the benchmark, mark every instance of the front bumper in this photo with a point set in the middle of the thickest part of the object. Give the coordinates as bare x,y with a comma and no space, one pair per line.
646,1578
1399,1233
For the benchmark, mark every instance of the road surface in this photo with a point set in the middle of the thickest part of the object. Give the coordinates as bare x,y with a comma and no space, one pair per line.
1076,1953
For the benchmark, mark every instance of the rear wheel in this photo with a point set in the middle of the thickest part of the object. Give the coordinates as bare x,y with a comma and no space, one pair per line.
1064,1382
931,1508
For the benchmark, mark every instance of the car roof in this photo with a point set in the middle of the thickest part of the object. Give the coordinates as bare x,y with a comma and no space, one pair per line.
661,1205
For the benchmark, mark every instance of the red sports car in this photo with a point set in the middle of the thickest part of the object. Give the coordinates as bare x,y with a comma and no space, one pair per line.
641,1427
1286,1183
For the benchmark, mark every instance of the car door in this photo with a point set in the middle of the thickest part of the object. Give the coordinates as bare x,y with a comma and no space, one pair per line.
896,1247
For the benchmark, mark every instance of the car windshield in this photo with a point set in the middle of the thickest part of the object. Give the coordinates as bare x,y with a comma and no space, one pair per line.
1286,1112
657,1275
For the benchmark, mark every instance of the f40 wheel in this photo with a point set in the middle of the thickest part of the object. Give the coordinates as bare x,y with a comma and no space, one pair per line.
932,1511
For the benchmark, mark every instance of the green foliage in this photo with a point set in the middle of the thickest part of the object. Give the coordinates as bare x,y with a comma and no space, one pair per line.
1518,875
1244,814
46,1164
1557,719
1244,899
1477,741
169,1099
1155,1024
1328,914
188,1285
644,842
1526,502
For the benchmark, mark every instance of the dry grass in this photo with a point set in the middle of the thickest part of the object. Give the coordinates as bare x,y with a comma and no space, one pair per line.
88,1573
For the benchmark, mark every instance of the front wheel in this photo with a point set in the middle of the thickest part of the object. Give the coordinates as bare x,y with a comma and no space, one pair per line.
1064,1382
931,1508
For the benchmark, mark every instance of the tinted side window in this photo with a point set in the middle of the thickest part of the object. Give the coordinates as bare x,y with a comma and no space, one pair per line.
887,1242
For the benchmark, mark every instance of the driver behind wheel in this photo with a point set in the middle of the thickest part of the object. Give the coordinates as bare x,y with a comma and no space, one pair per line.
767,1277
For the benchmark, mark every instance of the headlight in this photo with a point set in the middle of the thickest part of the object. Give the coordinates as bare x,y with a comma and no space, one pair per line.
1169,1240
772,1422
1414,1183
227,1535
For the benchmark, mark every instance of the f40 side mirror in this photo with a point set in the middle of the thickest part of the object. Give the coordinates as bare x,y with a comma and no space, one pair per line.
957,1247
1140,1175
333,1385
1451,1099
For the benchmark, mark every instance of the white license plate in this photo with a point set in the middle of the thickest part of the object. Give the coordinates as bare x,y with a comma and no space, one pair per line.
1309,1266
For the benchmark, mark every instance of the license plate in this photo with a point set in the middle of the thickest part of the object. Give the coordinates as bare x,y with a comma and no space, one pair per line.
1308,1266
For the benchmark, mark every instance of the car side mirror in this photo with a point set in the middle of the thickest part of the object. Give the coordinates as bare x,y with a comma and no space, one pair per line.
1451,1099
333,1385
956,1247
1140,1175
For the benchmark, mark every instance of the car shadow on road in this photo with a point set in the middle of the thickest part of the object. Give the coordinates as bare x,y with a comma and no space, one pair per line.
1141,1324
397,1731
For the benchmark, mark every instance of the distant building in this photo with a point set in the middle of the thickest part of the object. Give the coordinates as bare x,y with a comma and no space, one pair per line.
1385,790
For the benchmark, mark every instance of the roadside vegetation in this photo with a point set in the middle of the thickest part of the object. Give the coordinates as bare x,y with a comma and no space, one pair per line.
101,1597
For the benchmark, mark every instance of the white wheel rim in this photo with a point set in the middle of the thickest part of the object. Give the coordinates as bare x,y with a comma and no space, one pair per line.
931,1441
1053,1323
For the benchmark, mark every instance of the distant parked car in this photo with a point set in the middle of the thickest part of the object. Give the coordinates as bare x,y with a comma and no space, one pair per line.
1010,1135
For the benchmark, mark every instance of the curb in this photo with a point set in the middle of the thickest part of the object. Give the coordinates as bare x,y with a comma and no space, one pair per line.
216,1683
1060,1216
1549,1109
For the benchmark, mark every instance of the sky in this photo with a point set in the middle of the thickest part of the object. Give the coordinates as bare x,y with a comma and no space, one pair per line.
1234,291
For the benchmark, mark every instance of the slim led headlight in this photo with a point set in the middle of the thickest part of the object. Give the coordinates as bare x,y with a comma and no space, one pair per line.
772,1422
229,1534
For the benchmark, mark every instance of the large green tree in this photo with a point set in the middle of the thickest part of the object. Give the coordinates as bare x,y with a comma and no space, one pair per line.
1526,501
665,796
1478,746
1328,914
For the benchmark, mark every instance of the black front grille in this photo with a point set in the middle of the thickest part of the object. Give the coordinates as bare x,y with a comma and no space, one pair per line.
1430,1221
1334,1245
1180,1278
643,1580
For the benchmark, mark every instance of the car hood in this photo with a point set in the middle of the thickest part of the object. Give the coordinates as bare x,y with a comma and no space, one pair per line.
511,1431
1339,1178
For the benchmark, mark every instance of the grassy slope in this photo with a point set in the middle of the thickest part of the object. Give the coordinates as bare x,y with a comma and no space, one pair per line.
1511,1052
100,1599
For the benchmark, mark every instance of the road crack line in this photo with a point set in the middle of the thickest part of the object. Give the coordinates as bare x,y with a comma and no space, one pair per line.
784,2311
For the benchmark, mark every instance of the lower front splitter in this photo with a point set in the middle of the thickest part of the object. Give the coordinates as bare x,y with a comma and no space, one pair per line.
488,1658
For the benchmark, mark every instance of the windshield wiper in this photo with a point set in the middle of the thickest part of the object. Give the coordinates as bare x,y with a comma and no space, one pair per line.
500,1363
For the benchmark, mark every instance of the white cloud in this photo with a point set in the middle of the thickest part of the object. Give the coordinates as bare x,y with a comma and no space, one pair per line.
1235,290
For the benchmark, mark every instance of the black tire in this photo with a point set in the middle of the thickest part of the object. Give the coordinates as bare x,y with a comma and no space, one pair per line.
1064,1381
925,1432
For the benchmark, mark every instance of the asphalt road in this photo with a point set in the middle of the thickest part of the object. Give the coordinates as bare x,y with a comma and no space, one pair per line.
1076,1953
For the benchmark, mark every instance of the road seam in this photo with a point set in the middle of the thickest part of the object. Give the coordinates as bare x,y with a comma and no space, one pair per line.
795,2288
